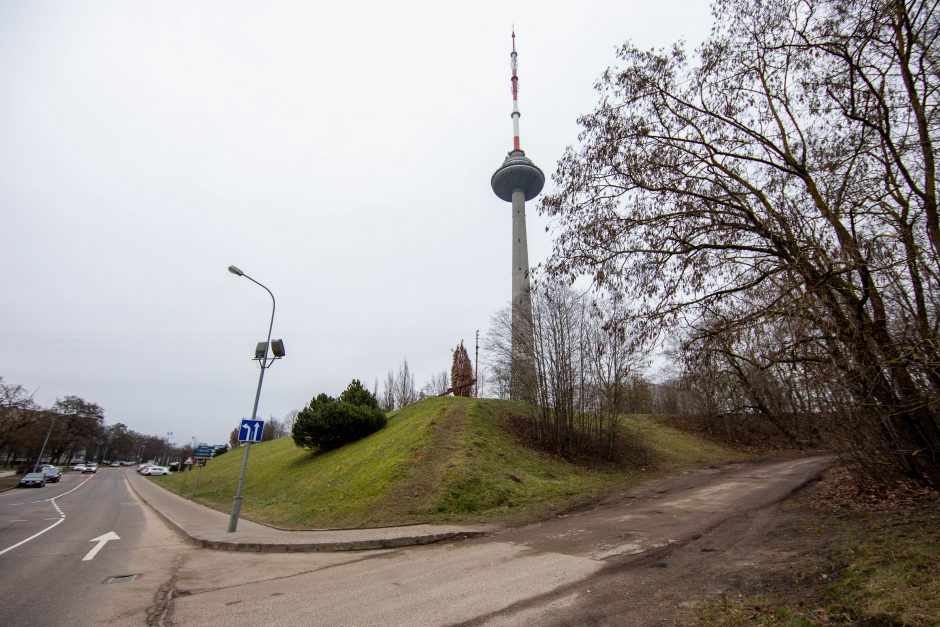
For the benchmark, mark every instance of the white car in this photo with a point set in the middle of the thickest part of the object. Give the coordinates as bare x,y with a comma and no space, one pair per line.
155,471
78,467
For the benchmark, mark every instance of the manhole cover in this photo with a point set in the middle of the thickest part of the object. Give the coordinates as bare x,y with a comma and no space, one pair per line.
121,578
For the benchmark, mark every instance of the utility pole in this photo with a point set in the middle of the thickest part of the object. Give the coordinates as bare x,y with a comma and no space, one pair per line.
476,367
44,442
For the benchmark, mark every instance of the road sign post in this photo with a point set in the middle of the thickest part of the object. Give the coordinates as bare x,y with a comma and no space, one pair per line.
249,431
200,463
254,430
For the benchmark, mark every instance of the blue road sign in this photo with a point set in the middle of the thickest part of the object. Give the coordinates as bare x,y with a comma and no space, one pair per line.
203,452
250,430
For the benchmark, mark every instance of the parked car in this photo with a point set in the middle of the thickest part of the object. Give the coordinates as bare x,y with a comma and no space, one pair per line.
33,480
52,474
90,468
143,467
152,471
78,467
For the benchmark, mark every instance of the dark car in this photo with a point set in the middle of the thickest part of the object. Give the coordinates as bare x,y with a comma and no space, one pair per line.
52,474
33,480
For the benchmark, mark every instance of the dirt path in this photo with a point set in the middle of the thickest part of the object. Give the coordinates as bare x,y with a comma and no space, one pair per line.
635,559
426,473
659,544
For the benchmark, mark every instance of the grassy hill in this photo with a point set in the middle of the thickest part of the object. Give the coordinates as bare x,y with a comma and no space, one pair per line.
443,459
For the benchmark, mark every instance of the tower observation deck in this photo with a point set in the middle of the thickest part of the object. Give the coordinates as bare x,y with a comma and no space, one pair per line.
516,181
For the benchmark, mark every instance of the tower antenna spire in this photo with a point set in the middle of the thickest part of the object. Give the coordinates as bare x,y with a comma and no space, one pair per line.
514,65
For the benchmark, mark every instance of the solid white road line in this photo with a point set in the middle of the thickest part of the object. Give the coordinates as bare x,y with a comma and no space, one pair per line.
56,523
70,491
36,535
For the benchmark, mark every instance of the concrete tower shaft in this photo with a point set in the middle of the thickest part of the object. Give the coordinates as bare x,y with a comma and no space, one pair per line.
516,181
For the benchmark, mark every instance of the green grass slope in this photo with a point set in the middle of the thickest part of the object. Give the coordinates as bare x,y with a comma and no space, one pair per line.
444,459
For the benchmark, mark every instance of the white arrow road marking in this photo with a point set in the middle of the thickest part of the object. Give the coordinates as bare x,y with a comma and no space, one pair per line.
101,540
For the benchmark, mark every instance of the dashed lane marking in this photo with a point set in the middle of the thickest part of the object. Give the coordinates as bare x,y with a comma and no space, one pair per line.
53,525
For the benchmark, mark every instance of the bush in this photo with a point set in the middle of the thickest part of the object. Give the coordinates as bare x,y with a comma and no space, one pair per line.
355,394
328,423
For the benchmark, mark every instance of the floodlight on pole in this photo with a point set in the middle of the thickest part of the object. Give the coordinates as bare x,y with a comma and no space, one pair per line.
261,355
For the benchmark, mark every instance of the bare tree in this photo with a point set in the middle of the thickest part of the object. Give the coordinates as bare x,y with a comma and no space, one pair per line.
16,411
787,181
497,354
387,401
289,419
437,385
583,378
404,391
273,429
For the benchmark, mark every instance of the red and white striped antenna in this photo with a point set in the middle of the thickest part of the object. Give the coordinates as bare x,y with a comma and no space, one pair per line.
513,63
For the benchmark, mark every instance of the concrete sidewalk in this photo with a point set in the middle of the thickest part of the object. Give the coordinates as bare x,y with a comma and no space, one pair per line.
208,528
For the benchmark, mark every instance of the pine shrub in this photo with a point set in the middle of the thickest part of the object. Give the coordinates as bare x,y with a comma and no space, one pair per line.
328,423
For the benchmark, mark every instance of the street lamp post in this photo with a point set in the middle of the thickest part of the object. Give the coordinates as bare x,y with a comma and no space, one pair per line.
163,452
192,448
263,362
46,441
192,444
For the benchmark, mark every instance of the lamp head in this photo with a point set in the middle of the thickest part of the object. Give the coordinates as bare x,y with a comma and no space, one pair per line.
235,271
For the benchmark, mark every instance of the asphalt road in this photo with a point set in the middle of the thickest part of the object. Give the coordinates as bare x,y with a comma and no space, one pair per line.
49,574
589,566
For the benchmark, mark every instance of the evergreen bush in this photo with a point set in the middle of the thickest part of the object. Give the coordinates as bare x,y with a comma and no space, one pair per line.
328,423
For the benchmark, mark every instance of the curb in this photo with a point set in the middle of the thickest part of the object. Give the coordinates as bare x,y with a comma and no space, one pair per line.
322,547
305,547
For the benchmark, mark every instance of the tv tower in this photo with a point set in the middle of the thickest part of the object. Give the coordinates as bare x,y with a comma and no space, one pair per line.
517,181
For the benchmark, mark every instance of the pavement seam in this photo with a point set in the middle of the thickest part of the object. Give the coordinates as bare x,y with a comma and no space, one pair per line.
158,614
198,591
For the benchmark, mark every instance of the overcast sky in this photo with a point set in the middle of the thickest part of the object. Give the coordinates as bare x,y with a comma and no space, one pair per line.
339,153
